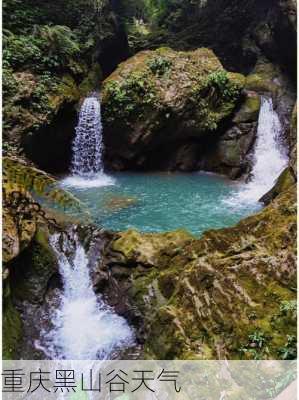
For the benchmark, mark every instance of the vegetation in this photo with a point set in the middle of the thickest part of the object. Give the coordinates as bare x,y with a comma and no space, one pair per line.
126,97
159,65
45,43
222,87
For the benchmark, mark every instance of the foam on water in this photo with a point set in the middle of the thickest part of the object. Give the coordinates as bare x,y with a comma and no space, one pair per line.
84,327
97,180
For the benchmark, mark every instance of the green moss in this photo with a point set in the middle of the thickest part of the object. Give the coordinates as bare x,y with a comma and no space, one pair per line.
260,84
12,327
249,110
35,267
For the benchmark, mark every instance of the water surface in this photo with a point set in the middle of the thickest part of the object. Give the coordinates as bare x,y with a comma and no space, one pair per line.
159,202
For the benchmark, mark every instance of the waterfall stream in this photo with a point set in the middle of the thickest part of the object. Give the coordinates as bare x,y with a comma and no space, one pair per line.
87,161
83,326
88,143
269,157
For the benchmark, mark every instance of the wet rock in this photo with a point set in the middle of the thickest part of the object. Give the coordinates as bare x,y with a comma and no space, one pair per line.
284,182
117,203
268,80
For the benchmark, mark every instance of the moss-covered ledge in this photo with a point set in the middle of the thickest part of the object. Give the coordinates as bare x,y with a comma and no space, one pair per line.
230,294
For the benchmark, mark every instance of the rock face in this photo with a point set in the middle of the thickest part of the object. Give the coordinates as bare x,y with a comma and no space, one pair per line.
239,32
230,294
230,155
161,107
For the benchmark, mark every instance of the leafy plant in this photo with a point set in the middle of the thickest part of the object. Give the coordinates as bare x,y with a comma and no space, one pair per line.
220,86
59,40
257,338
287,307
159,65
289,350
256,345
126,96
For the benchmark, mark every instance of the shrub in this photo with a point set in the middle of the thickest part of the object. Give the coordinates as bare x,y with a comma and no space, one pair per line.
159,65
221,85
135,91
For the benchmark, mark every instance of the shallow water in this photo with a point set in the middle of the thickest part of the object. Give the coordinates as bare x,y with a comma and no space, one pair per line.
159,202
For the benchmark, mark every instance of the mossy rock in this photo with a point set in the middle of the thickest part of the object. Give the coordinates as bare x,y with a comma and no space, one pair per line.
12,330
33,269
250,109
143,249
161,96
285,180
264,79
228,294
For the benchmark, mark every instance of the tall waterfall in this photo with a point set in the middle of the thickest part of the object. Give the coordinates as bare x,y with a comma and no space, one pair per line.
84,327
270,157
88,142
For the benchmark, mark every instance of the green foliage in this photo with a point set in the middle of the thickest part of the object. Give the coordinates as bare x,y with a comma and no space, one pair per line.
59,40
257,338
288,307
289,350
222,87
159,65
9,83
256,346
125,96
21,51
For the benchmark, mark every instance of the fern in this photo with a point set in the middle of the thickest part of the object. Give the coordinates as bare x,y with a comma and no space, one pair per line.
60,39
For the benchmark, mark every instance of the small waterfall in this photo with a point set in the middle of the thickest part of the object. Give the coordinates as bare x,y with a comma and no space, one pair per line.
88,143
87,162
270,157
84,327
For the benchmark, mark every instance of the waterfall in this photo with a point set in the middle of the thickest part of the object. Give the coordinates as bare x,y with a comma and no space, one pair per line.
269,157
88,142
87,161
83,326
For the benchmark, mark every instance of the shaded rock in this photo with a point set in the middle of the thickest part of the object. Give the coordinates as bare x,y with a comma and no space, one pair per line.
164,98
267,79
249,111
230,155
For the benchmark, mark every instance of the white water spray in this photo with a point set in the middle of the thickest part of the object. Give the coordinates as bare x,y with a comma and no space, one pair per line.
84,327
270,157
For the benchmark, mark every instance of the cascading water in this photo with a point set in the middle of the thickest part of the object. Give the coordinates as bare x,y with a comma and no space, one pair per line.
87,162
88,143
269,158
83,326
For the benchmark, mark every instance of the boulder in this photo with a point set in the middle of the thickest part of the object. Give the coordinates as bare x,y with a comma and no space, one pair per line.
165,99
